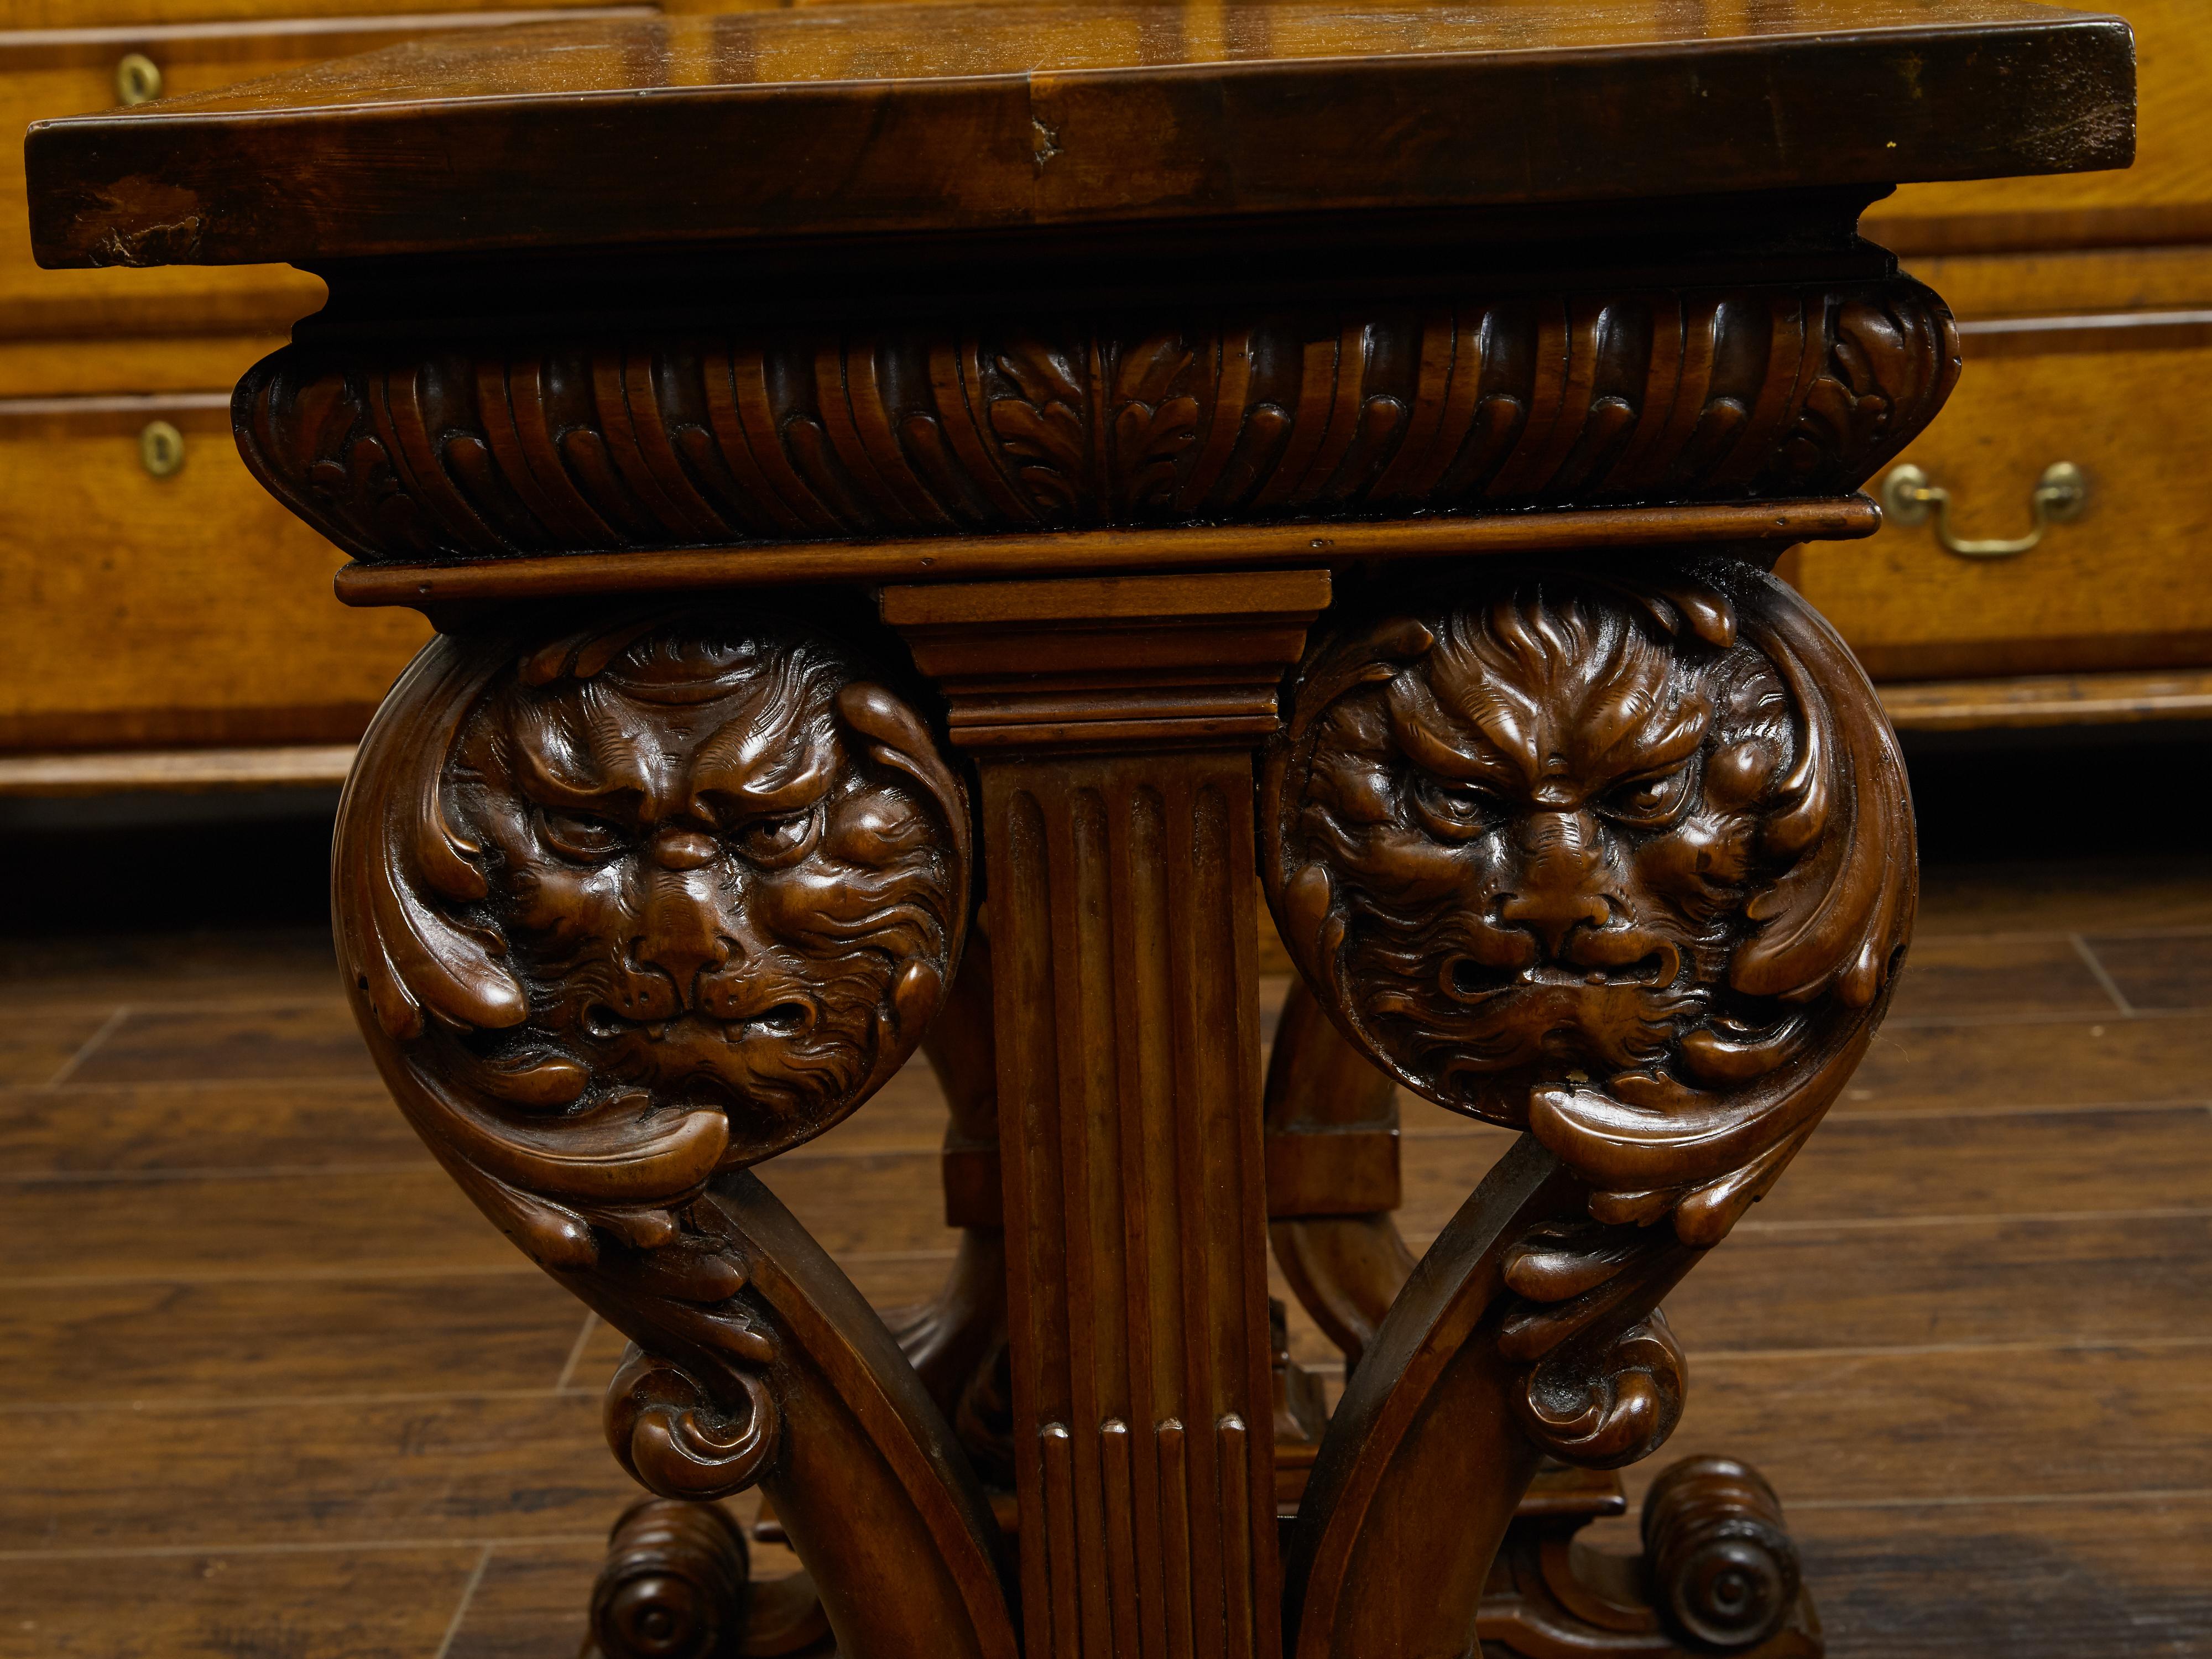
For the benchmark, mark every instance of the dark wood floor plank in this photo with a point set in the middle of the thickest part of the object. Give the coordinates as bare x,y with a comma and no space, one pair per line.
1953,978
233,1125
315,1039
1973,1423
232,967
298,1473
35,1046
531,1603
2012,1163
355,1222
303,1604
77,1344
866,1202
2081,1578
276,1288
2156,972
2061,1062
2040,1581
2028,1164
2064,897
906,1115
1980,1282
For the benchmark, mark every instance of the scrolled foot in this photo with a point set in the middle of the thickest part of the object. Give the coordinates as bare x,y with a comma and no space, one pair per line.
1719,1574
1723,1569
675,1585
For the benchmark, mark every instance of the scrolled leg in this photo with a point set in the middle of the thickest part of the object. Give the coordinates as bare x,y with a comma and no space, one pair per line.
1621,856
629,905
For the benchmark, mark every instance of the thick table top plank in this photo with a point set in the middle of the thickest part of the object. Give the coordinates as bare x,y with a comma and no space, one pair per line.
950,118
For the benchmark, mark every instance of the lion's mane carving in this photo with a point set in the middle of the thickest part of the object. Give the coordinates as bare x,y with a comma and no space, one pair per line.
1622,859
626,906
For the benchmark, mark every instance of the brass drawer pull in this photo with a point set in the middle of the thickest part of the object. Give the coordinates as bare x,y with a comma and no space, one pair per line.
2061,493
162,449
137,79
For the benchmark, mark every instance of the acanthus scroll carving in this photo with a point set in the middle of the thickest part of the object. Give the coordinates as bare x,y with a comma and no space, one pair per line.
1621,857
641,902
627,907
1471,402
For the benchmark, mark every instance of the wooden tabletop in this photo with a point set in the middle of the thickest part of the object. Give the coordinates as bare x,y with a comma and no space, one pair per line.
842,119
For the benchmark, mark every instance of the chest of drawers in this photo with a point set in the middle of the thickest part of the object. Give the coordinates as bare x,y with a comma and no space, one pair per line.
2084,302
2085,307
193,617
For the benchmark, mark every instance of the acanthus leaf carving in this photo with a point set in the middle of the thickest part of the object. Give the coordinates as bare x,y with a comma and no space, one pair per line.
1618,856
628,905
1480,402
1608,857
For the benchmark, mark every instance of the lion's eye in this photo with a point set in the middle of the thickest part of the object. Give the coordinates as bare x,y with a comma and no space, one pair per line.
1456,809
583,836
778,842
1649,802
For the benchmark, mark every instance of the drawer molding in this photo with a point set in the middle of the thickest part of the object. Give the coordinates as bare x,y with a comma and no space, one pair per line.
181,771
2047,700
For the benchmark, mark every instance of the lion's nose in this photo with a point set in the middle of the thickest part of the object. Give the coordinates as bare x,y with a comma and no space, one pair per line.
681,935
1556,896
1553,917
682,849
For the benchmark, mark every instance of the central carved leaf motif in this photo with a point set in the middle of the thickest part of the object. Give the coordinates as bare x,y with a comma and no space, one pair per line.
671,897
1606,857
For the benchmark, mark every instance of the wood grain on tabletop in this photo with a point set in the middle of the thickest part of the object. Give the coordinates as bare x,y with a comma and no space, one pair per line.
907,119
56,65
2165,197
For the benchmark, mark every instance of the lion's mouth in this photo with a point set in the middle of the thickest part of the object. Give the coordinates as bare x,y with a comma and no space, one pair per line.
788,1018
1468,980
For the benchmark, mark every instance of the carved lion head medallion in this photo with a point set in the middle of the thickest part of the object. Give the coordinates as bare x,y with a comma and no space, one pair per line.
1622,859
642,901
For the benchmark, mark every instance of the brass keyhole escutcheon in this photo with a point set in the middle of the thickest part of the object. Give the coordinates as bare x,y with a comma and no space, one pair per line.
162,449
2061,495
137,79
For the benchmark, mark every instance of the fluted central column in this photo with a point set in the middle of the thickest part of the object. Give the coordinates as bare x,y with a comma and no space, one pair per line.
1111,722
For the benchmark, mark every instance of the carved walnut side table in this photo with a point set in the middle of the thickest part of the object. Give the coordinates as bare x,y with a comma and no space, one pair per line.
922,505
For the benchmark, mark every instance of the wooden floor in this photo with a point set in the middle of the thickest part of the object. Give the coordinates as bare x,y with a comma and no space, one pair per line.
273,1391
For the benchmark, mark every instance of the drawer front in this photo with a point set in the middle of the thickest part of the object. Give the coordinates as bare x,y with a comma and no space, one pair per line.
2166,196
186,609
54,72
2070,282
126,364
2124,585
